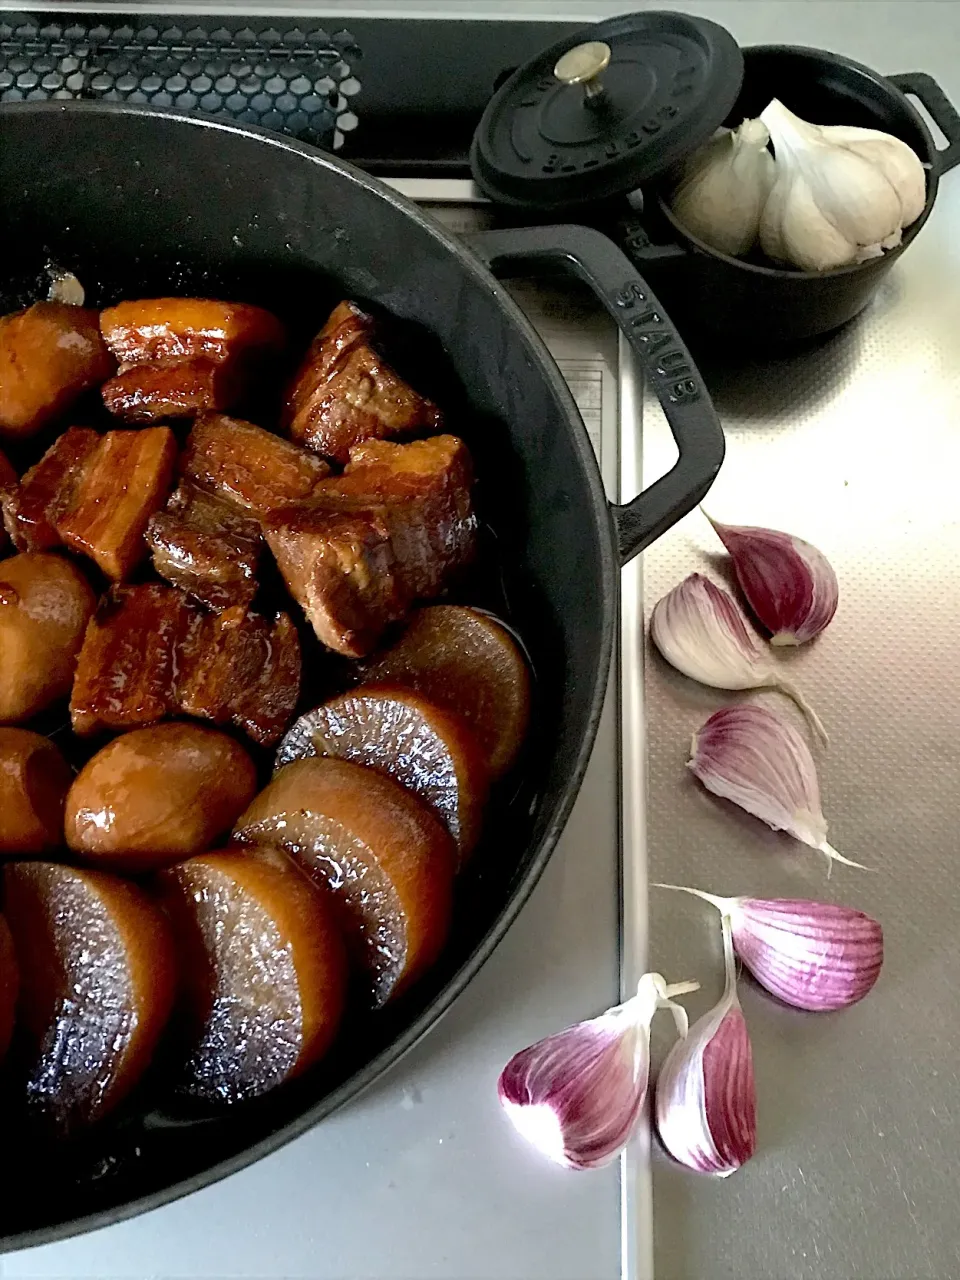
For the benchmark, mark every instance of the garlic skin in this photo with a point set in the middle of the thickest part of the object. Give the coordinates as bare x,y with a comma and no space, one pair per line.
790,585
815,956
706,1102
576,1096
65,287
830,205
724,186
700,629
899,164
751,756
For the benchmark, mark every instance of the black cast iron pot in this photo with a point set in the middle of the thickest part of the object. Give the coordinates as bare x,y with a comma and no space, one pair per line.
139,203
752,305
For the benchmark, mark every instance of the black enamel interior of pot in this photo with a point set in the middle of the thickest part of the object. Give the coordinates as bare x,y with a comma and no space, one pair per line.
140,204
752,305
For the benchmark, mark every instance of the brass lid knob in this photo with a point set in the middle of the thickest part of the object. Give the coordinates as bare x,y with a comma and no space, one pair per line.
584,64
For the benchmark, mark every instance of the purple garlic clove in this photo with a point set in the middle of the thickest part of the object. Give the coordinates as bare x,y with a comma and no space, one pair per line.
701,630
812,955
576,1096
706,1106
750,755
790,585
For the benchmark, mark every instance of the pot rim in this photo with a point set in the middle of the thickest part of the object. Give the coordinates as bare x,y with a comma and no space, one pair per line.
521,889
890,255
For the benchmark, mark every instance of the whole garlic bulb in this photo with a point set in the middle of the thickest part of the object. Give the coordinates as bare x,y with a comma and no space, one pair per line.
724,186
899,164
832,203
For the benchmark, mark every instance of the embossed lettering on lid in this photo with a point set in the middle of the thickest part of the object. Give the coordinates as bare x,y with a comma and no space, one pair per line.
606,109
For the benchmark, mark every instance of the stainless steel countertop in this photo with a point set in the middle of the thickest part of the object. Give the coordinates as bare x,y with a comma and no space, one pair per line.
857,448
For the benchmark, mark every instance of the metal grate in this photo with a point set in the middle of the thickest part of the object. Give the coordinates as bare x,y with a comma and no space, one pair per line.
295,81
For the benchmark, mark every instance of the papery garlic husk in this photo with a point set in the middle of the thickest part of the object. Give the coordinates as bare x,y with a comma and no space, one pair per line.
812,955
790,585
750,755
724,186
700,629
706,1102
65,287
576,1096
830,206
900,164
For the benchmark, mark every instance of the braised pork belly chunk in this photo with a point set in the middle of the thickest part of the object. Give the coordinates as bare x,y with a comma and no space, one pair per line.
207,547
240,668
50,354
47,491
150,653
125,480
340,568
175,389
94,494
248,466
126,671
183,356
424,489
397,526
208,540
345,392
149,329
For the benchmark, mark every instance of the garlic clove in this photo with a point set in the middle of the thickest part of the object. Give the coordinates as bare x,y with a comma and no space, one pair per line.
576,1096
794,231
789,584
899,164
811,955
65,287
706,1106
751,756
700,629
833,206
724,187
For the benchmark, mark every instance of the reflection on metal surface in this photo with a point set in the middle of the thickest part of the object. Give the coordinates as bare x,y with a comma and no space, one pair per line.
854,445
636,1198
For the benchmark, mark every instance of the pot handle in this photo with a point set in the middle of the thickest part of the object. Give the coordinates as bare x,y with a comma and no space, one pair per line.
941,109
585,253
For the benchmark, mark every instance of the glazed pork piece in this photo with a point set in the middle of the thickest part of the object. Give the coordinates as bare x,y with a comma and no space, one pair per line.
149,653
150,329
180,357
344,392
48,490
339,567
50,354
397,526
248,466
424,489
126,671
125,480
145,393
208,540
240,668
95,495
206,547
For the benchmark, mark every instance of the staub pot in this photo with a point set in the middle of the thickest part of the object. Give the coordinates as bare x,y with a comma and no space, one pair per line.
139,203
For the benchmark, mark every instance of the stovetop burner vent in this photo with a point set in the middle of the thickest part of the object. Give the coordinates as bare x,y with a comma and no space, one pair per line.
292,80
